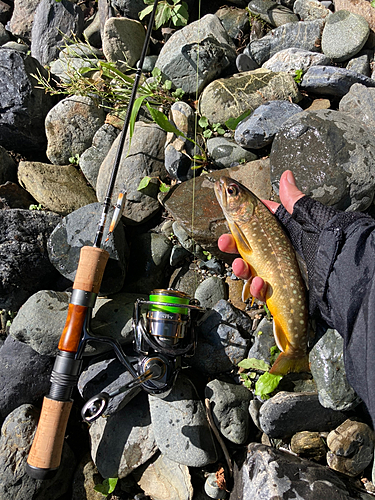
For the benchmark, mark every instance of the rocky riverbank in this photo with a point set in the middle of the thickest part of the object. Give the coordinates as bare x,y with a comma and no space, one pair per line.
299,74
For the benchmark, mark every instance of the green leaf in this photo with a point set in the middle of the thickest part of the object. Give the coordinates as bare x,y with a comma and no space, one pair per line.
133,117
207,134
164,188
163,14
163,122
144,183
266,384
179,16
145,12
167,85
203,122
274,351
232,123
107,486
254,364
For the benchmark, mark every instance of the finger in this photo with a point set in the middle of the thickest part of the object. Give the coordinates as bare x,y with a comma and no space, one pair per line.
226,243
289,192
258,288
271,205
241,269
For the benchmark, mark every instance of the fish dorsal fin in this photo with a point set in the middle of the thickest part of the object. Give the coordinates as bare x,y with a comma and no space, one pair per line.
280,337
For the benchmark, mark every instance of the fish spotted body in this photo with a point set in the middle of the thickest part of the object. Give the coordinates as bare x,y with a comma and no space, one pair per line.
263,244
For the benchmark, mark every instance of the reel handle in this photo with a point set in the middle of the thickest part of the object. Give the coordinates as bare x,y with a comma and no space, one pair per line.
45,453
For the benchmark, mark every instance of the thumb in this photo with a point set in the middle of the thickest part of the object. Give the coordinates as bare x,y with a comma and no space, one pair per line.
288,191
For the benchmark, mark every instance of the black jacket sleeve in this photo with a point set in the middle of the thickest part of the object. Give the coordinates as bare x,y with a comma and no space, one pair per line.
339,251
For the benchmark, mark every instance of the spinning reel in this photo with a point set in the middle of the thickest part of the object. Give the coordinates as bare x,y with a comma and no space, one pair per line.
164,329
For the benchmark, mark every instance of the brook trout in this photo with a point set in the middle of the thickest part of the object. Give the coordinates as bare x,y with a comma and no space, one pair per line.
263,244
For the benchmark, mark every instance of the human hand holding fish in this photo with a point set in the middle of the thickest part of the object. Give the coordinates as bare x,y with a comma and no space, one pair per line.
289,194
268,255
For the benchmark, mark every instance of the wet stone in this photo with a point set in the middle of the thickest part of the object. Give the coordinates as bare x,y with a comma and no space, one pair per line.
182,432
332,80
308,445
227,153
287,413
351,447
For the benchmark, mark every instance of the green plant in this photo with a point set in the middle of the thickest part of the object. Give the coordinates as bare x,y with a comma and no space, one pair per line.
298,74
265,384
163,188
372,3
107,486
209,130
232,123
74,160
174,11
36,207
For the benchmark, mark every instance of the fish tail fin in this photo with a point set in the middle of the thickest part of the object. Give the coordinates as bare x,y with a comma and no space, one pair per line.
286,363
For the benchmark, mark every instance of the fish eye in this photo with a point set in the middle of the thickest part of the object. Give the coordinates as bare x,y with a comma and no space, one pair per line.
232,190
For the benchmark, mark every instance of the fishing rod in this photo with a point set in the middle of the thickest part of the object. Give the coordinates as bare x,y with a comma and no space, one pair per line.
45,453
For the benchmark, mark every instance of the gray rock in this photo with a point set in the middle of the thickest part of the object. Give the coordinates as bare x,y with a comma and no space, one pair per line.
235,21
351,447
308,10
25,267
186,241
259,129
4,35
272,12
264,339
24,375
15,442
145,158
269,473
344,35
19,47
360,103
92,32
165,479
223,339
120,444
361,63
227,154
79,229
149,63
107,376
42,318
224,98
52,21
70,127
178,58
288,413
8,167
24,106
91,159
230,409
13,196
302,35
179,152
293,59
123,40
128,8
60,188
182,432
148,263
5,12
22,18
210,291
337,139
327,367
245,63
332,80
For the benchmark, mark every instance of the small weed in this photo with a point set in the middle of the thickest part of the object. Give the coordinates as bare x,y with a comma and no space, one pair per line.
107,486
163,188
167,11
36,207
298,74
74,160
210,130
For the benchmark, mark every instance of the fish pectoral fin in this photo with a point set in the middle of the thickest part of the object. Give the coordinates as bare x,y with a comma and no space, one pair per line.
279,334
246,292
242,243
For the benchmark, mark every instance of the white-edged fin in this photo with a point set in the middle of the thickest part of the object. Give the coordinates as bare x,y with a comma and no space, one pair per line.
246,291
277,340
